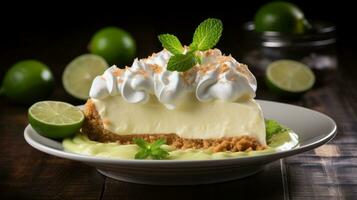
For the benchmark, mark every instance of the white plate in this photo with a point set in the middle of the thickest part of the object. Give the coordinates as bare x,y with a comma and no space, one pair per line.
313,128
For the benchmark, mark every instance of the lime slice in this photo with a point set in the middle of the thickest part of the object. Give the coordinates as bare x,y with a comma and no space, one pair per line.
55,119
289,77
79,73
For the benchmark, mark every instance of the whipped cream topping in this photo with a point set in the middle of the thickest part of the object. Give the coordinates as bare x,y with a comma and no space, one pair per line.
218,77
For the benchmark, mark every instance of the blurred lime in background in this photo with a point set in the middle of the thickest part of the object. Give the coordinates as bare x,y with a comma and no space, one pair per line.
28,81
289,78
79,73
281,17
115,45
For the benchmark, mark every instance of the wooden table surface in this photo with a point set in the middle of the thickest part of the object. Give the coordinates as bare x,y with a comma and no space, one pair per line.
329,172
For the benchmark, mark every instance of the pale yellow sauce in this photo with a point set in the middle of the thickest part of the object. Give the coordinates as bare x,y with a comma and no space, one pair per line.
82,145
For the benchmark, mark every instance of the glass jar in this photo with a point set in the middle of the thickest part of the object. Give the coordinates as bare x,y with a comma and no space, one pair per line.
315,48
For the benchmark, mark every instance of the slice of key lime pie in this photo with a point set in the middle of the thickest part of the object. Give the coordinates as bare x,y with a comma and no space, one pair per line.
192,97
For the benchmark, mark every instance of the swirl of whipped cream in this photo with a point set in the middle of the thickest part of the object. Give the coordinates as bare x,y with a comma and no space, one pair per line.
137,82
170,88
217,77
105,85
222,77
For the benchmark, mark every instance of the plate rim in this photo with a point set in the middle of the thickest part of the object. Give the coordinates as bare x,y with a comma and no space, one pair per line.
103,160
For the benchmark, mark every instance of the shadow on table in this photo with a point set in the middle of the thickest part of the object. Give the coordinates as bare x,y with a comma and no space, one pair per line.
266,184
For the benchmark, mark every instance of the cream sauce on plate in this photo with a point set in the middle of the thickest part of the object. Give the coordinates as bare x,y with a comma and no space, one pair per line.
82,145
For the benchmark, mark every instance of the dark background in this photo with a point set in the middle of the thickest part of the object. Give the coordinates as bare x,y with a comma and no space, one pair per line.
56,32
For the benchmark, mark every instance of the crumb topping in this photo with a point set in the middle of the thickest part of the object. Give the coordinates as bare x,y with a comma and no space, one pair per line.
155,68
117,72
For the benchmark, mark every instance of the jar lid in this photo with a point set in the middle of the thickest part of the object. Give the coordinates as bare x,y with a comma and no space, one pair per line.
321,34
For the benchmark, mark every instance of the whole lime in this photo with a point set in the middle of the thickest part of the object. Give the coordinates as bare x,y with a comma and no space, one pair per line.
115,45
280,17
28,81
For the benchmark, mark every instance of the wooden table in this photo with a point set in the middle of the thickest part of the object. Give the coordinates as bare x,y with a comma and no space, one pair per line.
329,172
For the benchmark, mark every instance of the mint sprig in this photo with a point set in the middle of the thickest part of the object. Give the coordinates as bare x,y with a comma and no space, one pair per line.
152,150
206,36
171,43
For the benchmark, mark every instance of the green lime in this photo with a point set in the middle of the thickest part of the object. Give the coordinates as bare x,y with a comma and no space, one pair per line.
55,119
114,44
289,78
79,73
280,17
28,81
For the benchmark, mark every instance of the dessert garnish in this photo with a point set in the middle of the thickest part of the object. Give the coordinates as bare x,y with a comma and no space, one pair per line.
150,150
206,36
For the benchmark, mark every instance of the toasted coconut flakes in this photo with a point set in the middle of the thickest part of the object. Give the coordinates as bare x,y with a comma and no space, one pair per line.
205,68
188,74
143,73
155,68
222,59
242,68
232,78
223,68
209,52
117,72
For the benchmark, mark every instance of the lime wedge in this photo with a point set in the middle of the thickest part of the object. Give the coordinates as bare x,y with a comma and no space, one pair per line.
79,73
289,77
55,119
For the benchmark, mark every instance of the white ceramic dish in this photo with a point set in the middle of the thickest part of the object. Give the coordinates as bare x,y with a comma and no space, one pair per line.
313,128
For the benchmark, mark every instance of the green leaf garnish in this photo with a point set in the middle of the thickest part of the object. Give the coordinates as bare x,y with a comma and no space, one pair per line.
272,128
152,150
171,43
181,62
140,142
206,36
142,154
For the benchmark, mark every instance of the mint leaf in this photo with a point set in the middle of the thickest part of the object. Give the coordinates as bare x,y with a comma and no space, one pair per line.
142,154
181,62
273,127
140,142
152,150
171,43
159,153
207,34
158,143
